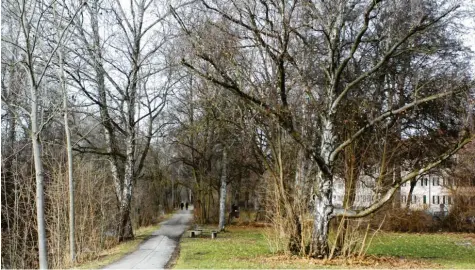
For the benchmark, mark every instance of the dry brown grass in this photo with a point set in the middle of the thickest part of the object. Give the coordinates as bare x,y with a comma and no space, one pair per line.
277,261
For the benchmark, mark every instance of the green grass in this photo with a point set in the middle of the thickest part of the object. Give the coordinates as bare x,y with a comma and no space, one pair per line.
246,247
238,247
445,249
232,249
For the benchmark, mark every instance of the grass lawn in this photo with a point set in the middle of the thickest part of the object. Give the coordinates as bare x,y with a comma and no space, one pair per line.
247,247
234,248
447,249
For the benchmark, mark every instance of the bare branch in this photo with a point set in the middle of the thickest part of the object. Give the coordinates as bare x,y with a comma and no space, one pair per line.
387,196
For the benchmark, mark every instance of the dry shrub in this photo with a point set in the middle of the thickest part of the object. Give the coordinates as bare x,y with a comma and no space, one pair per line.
461,216
351,238
95,208
95,211
291,223
19,248
404,220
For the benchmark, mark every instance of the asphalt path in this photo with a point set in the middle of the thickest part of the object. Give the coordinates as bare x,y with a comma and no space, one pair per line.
157,251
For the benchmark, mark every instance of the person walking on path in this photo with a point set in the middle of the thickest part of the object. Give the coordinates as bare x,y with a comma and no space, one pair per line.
181,205
186,205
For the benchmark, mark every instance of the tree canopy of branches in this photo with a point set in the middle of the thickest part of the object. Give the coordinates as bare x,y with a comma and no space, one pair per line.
307,65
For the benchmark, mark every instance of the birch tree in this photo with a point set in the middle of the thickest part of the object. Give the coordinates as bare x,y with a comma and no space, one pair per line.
58,20
31,18
128,79
222,192
323,55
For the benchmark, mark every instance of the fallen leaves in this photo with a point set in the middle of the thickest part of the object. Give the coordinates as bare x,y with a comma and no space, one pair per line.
279,261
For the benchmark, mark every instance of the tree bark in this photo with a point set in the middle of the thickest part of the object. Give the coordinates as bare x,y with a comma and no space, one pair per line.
409,195
323,209
322,200
72,248
125,229
222,197
37,153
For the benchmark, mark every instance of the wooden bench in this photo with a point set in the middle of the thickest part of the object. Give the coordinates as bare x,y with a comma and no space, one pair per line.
194,233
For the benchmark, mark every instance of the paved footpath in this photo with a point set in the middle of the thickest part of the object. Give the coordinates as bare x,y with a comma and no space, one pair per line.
155,252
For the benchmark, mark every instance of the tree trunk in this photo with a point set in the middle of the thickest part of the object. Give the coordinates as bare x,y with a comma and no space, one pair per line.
303,171
72,247
322,197
125,226
323,209
36,145
409,195
295,238
222,197
397,195
125,231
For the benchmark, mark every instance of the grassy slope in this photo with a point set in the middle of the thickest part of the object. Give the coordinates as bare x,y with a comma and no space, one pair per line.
248,248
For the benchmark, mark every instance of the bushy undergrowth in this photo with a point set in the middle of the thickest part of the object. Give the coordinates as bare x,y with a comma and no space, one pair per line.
95,211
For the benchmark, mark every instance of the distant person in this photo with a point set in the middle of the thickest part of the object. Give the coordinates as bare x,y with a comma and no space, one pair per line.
186,205
181,206
234,213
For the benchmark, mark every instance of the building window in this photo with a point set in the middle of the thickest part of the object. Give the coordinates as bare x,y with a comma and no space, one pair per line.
438,199
449,200
424,198
443,199
433,199
426,181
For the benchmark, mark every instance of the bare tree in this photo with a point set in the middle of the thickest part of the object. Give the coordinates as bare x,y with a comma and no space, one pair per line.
323,55
129,91
31,17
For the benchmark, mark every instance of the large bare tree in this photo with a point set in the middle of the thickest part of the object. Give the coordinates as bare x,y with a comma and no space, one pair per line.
324,56
122,68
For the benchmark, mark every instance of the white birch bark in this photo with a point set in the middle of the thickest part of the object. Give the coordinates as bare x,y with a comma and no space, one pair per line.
69,151
39,172
222,196
36,144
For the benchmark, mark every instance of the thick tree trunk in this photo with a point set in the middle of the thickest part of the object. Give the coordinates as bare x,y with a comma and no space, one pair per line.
125,231
322,198
295,238
323,209
125,226
222,196
302,173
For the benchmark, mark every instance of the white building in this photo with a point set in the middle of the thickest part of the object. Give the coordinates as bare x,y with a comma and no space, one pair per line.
430,193
364,194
